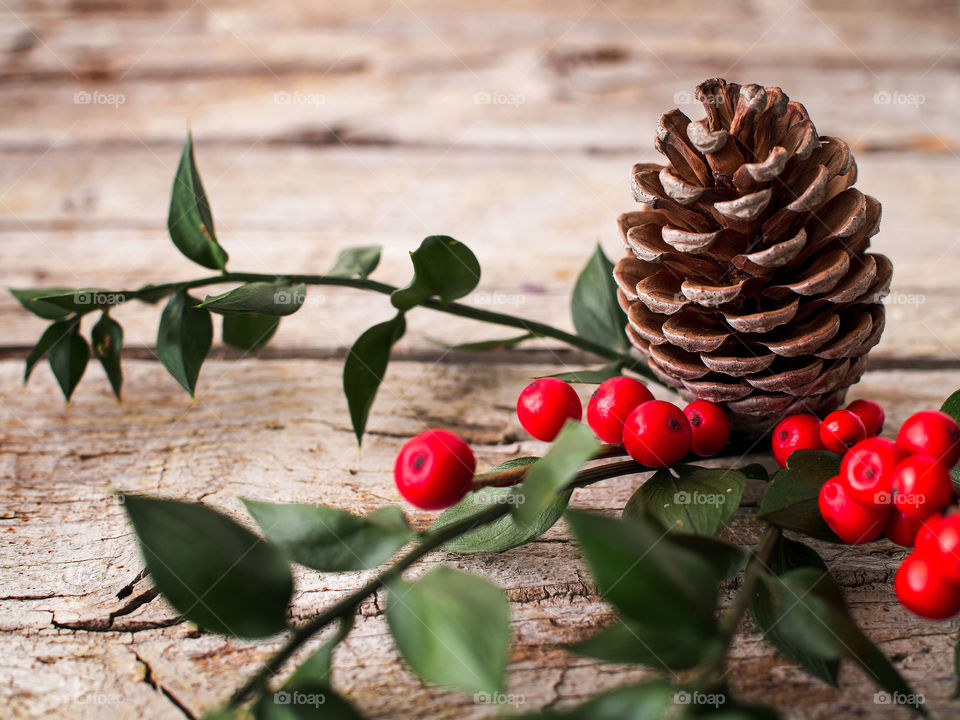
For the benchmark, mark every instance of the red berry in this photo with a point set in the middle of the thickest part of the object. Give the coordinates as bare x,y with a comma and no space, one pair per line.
795,432
611,403
709,425
923,590
545,405
853,522
933,433
867,468
870,414
921,486
939,538
434,469
840,430
656,434
902,529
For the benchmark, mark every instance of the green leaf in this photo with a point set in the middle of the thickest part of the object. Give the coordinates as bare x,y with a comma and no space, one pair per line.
590,377
365,367
153,294
790,555
54,333
701,502
212,570
452,628
41,308
632,642
443,268
263,298
544,481
184,339
332,540
597,315
506,531
316,668
356,262
485,345
248,331
312,701
951,406
755,471
636,567
80,301
107,337
651,700
68,359
791,499
726,558
809,610
190,222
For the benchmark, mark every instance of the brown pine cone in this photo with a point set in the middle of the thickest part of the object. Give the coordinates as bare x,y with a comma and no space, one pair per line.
748,280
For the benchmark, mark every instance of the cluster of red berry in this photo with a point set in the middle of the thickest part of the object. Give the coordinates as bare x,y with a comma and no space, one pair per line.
655,433
897,489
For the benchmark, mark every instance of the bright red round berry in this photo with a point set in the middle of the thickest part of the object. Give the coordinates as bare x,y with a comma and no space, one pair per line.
545,405
795,432
939,538
853,522
610,405
923,590
656,434
933,433
709,425
921,486
434,469
870,414
840,430
867,468
902,529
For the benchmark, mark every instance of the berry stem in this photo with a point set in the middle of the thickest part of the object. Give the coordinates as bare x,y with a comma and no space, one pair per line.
154,292
512,476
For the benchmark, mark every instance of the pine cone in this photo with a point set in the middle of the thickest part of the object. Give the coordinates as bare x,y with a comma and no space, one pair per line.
748,280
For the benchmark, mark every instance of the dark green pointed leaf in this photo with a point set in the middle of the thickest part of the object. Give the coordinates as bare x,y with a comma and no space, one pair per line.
107,337
41,308
248,331
597,315
54,333
190,222
184,339
755,471
590,377
356,262
702,501
790,500
506,531
547,478
332,540
365,366
275,299
316,668
452,628
726,558
153,294
442,267
629,641
68,359
636,567
81,301
951,406
486,345
212,570
790,555
309,701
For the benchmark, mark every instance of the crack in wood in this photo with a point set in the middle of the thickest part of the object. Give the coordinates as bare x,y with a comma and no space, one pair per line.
150,679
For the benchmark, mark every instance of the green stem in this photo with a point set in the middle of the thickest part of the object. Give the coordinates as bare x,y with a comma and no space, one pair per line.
468,311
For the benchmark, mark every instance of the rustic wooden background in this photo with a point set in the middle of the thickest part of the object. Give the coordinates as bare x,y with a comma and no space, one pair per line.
321,125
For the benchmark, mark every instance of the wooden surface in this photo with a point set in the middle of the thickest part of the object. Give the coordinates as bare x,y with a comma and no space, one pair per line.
385,143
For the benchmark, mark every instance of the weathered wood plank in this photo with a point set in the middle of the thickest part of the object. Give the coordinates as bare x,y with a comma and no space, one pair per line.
279,431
